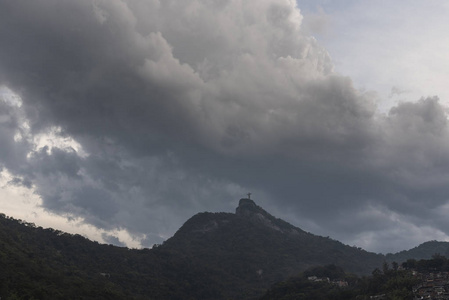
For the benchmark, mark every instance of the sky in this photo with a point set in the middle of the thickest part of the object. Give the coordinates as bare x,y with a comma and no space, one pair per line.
121,119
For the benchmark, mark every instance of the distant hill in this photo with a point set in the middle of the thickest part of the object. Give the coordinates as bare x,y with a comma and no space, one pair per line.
212,256
424,251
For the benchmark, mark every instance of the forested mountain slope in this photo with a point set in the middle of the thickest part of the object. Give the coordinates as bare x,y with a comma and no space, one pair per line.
212,256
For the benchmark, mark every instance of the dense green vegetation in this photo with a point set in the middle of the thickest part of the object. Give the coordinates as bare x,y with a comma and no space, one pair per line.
393,283
37,263
424,251
261,255
438,263
212,256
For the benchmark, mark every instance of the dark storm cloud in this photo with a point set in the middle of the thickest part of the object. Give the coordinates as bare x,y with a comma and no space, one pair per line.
183,107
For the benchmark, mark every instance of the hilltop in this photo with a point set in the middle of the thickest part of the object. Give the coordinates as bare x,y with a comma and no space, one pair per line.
212,256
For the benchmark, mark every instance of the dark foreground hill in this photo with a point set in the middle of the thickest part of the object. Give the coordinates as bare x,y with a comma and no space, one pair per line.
212,256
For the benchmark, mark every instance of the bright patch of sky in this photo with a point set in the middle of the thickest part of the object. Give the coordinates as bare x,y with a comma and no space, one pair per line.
9,96
23,203
396,48
55,138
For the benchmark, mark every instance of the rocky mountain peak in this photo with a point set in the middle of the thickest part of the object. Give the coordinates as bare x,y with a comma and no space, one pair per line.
249,210
246,206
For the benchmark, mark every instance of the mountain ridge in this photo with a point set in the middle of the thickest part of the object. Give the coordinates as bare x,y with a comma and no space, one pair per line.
248,208
253,250
212,256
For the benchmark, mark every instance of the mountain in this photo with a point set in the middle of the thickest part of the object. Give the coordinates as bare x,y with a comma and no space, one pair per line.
424,251
252,249
38,263
212,256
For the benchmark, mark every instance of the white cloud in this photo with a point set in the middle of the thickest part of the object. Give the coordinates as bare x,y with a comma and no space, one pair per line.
25,204
55,138
382,44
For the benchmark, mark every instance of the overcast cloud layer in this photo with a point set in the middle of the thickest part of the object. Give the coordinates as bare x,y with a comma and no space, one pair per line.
176,107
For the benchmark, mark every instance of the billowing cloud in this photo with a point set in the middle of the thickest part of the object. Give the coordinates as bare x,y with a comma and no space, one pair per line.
171,108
